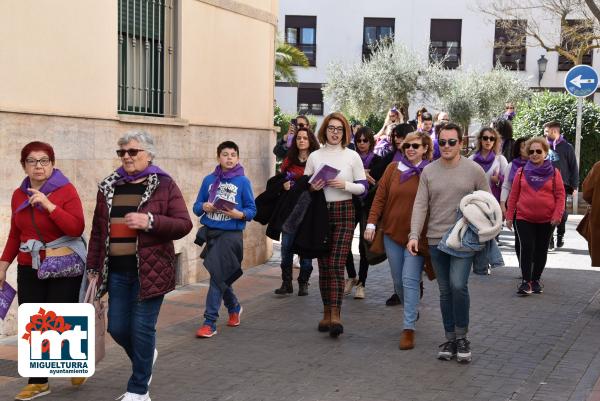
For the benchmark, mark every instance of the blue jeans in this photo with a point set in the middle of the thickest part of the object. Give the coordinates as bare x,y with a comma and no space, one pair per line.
452,276
287,257
132,324
213,302
406,274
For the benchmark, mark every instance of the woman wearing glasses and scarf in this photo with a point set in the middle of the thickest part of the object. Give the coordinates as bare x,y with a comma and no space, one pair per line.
392,209
139,212
488,156
45,208
334,134
537,201
363,144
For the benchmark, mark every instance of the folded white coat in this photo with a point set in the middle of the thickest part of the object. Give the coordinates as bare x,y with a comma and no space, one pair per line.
482,210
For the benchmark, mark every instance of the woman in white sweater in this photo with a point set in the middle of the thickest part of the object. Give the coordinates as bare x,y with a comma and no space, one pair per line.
338,193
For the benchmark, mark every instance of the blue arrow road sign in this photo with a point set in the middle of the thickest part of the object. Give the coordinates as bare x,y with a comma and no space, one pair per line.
581,81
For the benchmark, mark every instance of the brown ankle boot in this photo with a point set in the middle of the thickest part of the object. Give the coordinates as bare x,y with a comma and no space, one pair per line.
326,321
336,328
407,339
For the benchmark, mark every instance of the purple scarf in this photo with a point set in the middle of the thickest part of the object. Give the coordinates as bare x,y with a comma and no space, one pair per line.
412,169
516,164
486,162
398,156
537,176
555,142
151,169
383,147
236,171
367,159
54,182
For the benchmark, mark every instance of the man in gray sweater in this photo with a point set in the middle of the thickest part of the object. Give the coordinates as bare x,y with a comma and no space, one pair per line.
442,185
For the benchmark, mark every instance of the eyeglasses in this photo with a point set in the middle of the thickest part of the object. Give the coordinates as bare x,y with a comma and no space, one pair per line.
450,142
301,125
411,145
131,152
331,129
538,151
33,162
365,140
488,138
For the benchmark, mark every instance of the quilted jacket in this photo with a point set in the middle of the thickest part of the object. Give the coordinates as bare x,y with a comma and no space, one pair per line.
155,249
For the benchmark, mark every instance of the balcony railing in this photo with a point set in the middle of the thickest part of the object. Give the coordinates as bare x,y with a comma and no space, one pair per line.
513,59
450,55
311,53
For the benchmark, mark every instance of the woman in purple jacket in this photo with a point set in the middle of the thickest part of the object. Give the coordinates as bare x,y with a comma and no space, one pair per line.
139,212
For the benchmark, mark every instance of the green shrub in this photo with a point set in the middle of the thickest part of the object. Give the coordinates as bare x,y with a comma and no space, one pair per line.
548,106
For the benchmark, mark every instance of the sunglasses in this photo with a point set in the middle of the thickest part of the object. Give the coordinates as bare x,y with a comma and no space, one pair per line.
538,151
450,142
411,145
362,141
488,138
131,152
510,108
301,125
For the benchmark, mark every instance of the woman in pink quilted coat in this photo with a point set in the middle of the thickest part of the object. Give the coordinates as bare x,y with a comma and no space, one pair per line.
139,212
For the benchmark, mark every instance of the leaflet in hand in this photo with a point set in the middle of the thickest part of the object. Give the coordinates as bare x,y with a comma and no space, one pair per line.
7,294
325,172
223,204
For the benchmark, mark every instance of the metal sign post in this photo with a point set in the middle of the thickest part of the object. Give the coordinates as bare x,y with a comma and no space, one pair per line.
581,81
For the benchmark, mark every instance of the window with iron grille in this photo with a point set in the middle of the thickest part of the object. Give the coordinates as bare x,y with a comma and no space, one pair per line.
575,31
147,57
310,99
301,32
510,49
376,30
444,39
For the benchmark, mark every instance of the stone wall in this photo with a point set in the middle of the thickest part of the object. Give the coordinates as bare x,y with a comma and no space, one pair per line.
85,152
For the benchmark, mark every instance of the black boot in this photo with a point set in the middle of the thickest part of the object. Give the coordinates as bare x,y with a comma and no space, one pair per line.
560,242
302,288
286,281
286,288
303,278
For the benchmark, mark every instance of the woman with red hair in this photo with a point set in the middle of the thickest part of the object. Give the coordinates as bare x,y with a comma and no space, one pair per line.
44,208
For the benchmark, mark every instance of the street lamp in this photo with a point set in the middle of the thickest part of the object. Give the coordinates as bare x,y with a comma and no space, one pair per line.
542,63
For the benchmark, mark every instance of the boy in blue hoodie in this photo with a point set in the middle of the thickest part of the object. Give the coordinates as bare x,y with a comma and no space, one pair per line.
224,203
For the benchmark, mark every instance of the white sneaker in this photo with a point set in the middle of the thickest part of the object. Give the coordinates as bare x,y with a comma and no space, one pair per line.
349,283
359,293
136,397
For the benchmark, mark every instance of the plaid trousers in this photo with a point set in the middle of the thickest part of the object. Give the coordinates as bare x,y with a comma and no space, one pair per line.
332,266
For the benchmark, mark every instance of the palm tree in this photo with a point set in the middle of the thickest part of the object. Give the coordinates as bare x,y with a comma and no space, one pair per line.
286,58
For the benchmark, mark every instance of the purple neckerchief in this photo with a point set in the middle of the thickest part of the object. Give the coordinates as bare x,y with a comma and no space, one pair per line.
236,171
412,169
397,156
537,176
365,184
486,162
367,159
555,142
516,164
383,147
509,116
151,169
54,182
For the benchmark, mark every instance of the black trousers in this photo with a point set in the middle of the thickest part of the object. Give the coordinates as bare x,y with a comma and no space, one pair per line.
31,289
533,240
360,209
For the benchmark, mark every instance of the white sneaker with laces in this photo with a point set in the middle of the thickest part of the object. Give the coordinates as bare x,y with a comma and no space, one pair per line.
359,293
349,283
136,397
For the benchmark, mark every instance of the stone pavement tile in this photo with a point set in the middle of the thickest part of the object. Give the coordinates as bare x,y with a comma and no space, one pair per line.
8,352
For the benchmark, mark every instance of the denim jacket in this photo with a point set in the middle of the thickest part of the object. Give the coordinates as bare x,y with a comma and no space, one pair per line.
484,255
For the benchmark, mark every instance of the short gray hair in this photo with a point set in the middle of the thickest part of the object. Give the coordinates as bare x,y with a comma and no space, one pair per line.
142,137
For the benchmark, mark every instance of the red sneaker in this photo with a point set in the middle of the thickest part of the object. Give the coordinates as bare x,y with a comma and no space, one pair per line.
234,318
206,331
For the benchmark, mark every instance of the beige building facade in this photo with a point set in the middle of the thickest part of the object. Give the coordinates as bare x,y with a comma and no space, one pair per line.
78,74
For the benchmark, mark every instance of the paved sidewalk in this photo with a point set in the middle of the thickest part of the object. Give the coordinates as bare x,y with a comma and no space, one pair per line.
543,347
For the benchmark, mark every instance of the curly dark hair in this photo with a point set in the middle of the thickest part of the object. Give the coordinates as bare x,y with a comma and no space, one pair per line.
367,133
292,154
